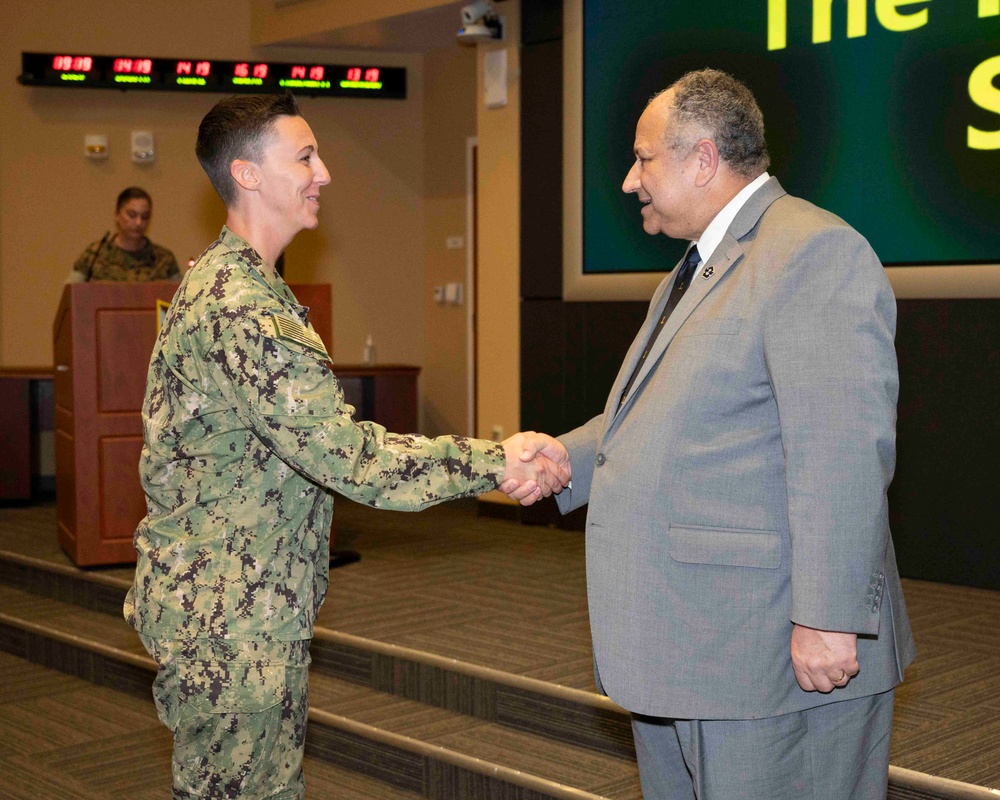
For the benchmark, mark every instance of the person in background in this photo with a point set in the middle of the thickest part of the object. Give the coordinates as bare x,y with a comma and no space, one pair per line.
127,255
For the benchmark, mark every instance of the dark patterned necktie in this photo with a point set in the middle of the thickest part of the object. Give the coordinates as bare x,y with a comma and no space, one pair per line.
684,275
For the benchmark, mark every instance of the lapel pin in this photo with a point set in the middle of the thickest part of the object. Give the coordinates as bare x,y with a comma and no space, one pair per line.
708,273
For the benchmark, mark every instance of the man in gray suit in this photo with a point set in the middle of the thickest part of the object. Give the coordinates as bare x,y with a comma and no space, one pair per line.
744,598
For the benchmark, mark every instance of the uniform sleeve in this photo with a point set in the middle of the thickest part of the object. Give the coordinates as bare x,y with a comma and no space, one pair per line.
289,397
828,347
82,265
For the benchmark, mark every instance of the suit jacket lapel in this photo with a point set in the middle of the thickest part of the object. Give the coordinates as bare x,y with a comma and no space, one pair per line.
725,256
656,305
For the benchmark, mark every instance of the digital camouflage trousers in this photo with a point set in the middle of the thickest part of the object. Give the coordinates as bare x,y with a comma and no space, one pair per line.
237,712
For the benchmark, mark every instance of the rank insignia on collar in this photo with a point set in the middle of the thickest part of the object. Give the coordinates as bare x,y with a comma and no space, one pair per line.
286,327
708,273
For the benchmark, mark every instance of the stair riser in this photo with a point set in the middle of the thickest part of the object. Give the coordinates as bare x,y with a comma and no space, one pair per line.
80,662
66,588
533,712
424,775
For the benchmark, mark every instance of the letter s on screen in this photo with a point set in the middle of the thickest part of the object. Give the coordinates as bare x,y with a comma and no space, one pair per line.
985,95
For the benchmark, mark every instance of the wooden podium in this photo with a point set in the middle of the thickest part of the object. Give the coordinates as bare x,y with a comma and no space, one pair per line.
103,338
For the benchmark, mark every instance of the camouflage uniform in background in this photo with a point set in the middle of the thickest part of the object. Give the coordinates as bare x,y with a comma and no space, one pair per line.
112,263
247,436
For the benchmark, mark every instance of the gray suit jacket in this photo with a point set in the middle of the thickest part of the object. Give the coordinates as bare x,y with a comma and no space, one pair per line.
742,486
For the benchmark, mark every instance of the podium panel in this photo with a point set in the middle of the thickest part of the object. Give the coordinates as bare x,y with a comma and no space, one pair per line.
125,341
103,338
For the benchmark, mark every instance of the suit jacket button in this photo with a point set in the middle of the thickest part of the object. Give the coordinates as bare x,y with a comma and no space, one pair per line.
600,459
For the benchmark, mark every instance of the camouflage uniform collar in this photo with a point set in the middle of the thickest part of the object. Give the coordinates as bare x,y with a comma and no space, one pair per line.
249,257
144,252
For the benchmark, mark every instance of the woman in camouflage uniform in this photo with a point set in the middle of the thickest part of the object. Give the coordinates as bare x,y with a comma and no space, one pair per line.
247,438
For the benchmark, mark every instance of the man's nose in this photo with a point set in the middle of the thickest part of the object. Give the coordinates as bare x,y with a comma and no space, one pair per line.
631,182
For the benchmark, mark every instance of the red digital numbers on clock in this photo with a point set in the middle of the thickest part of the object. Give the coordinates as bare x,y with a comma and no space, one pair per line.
72,63
133,66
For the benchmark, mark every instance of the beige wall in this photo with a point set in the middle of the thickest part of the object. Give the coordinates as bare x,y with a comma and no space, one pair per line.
449,120
398,192
54,201
274,24
498,326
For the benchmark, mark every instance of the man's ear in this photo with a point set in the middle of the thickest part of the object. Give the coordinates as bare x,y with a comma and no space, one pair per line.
246,174
707,155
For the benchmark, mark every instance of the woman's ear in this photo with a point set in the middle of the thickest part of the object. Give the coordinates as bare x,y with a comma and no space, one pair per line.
246,174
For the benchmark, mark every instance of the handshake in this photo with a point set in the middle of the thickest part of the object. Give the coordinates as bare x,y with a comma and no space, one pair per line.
537,466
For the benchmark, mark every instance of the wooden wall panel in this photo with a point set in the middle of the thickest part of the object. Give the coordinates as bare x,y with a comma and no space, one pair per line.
15,439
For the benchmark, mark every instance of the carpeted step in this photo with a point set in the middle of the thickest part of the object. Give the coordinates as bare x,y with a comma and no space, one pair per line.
410,745
560,713
66,739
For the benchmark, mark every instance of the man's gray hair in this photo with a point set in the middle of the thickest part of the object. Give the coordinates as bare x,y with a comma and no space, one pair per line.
709,103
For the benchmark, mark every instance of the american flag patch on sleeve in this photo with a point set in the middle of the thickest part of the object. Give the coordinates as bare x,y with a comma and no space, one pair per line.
285,327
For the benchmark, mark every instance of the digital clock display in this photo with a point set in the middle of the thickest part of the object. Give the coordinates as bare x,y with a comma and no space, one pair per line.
202,75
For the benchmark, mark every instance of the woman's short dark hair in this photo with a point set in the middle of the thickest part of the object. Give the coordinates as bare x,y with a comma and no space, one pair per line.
238,128
132,193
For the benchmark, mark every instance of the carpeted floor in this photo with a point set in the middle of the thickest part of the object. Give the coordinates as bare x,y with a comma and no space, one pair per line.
513,597
62,738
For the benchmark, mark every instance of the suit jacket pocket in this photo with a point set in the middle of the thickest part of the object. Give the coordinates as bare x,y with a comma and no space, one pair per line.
715,326
730,547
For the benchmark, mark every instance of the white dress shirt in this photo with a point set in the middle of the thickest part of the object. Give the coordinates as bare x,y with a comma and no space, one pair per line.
720,224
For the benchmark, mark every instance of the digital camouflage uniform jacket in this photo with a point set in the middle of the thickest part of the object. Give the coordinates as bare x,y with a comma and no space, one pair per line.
247,436
112,263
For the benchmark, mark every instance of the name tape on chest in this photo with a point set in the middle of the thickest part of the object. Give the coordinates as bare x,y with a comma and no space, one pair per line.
285,327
